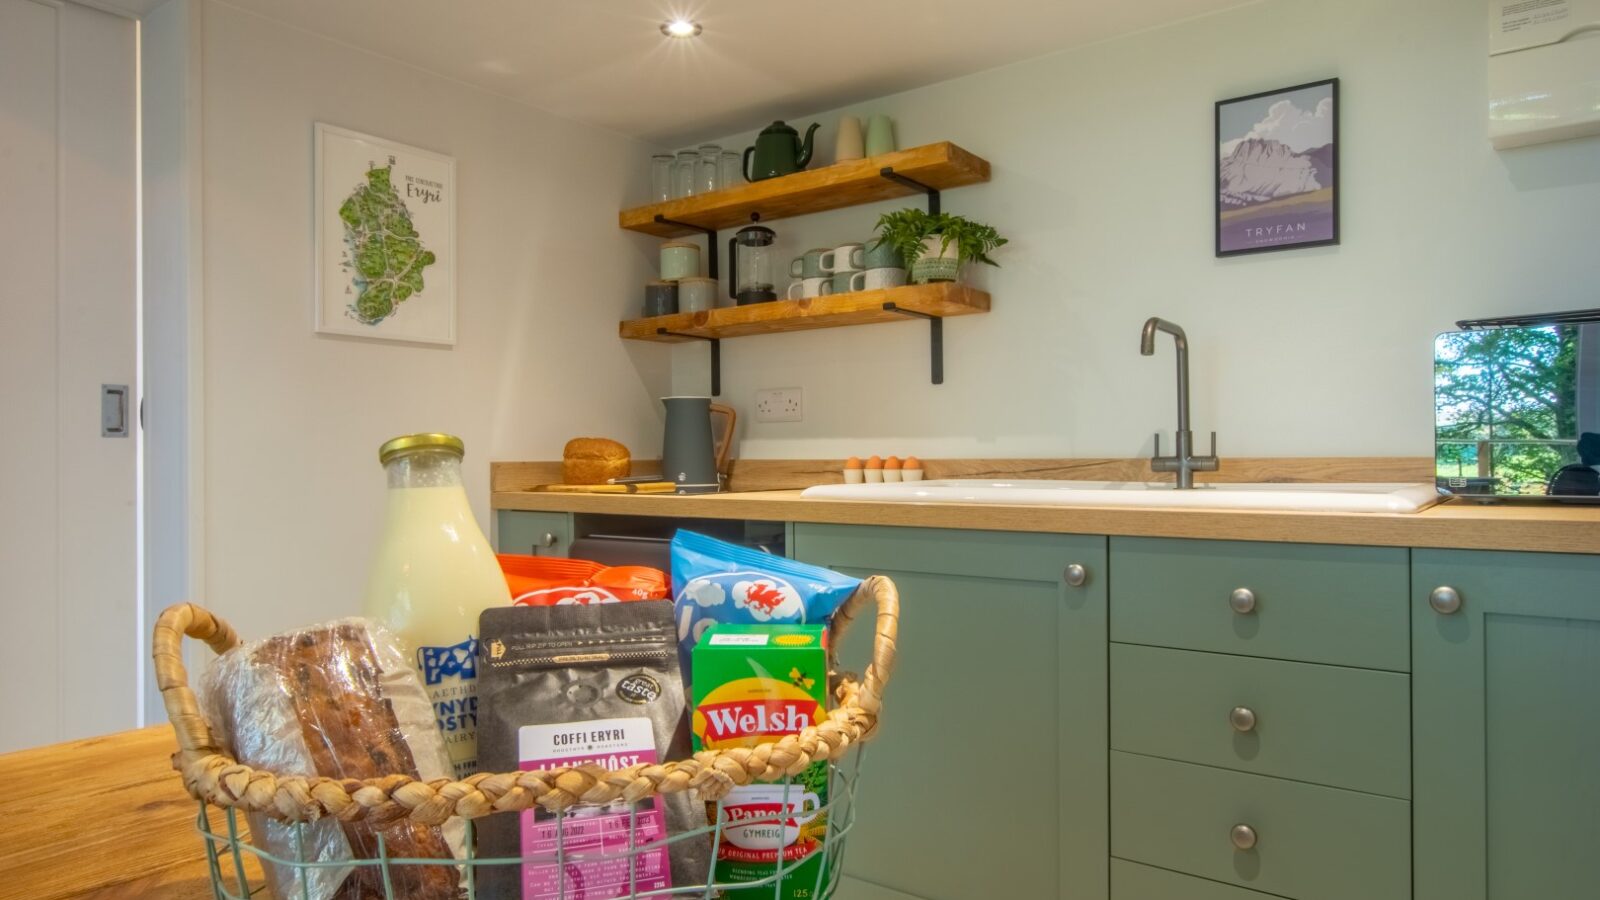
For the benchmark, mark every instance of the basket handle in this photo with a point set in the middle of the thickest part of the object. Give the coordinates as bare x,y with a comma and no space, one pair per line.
880,592
183,710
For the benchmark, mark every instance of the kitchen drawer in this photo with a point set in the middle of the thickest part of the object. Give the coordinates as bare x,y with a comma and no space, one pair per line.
532,533
1308,602
1312,843
1131,881
1348,728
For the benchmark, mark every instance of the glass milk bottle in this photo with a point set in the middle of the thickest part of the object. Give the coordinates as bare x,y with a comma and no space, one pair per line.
433,574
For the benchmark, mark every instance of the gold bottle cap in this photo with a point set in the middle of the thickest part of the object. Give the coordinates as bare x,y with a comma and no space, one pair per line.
407,443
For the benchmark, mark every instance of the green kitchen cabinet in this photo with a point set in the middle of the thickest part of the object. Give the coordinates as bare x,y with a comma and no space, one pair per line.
532,533
989,775
1506,725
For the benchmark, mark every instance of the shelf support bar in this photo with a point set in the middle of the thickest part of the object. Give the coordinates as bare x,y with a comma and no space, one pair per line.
935,336
711,241
889,173
716,355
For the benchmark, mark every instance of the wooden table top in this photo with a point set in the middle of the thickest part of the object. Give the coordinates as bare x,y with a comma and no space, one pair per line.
104,818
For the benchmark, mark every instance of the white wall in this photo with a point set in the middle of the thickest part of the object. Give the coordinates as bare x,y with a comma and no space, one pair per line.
1103,180
293,420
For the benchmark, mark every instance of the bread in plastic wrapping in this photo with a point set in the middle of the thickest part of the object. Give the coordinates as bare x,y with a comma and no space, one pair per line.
338,700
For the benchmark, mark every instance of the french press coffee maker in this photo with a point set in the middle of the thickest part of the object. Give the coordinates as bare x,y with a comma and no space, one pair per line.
750,265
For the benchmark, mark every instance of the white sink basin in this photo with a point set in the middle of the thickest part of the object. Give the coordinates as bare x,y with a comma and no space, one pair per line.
1381,498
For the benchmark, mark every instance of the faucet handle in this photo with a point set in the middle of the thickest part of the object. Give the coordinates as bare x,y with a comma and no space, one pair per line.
1213,445
1157,453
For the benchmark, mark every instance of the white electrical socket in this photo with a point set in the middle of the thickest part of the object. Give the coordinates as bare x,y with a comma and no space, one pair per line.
780,405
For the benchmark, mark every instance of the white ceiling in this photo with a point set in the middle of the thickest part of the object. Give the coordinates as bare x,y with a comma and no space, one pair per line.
606,62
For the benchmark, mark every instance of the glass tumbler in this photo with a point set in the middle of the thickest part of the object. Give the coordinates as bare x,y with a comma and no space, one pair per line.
683,173
660,177
707,177
732,165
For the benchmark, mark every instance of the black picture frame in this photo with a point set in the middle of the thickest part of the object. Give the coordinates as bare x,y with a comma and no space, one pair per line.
1275,220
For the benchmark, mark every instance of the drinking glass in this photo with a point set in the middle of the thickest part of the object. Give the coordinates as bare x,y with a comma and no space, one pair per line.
732,165
660,177
706,177
683,173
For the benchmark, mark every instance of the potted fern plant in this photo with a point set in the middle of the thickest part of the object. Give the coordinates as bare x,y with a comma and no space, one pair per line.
936,247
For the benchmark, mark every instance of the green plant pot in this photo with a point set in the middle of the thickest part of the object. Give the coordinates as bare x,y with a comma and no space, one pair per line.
928,270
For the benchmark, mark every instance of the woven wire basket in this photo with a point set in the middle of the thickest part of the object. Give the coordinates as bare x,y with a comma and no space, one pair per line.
567,796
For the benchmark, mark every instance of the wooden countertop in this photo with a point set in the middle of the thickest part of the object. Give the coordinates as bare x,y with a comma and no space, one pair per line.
1452,524
104,818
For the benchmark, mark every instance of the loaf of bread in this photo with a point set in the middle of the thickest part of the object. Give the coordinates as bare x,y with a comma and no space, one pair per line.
337,700
594,461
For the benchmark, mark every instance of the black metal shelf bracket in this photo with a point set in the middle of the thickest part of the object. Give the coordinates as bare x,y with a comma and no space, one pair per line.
935,336
716,355
889,173
711,241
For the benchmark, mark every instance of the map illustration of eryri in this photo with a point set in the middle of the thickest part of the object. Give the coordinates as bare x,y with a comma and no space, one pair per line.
386,255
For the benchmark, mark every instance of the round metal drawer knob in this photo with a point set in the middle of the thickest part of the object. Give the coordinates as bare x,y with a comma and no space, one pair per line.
1243,836
1242,718
549,539
1445,600
1243,601
1075,575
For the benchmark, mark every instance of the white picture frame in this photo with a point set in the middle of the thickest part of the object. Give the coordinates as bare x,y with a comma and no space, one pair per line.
373,281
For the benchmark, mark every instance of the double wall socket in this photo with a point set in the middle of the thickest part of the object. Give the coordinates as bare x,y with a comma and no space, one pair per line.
780,405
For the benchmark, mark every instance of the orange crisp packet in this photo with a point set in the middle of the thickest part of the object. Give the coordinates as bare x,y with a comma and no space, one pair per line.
552,581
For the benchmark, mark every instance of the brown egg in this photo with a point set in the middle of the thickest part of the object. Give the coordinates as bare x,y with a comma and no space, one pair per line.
892,462
913,463
853,462
874,462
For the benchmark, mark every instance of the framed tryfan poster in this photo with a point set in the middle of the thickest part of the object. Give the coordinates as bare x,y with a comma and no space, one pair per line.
385,239
1278,169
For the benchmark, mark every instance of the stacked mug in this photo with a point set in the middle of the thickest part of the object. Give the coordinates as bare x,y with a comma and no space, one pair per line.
681,288
845,269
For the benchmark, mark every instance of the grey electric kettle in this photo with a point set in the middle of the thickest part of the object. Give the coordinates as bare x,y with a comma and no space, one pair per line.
689,457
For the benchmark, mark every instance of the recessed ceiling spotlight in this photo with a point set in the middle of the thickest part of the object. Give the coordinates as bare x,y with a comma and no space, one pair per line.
680,28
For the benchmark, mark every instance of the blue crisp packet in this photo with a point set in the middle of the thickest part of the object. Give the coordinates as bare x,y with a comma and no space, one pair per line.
715,581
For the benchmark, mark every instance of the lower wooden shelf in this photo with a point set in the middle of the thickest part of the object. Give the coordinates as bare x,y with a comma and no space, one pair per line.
860,308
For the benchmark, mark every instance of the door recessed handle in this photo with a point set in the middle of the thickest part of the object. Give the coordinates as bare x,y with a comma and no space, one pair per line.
113,410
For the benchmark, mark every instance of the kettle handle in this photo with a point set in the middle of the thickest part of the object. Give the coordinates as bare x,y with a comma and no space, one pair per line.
733,265
726,444
744,164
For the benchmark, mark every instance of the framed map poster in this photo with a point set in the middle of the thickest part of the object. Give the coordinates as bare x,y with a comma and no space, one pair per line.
385,226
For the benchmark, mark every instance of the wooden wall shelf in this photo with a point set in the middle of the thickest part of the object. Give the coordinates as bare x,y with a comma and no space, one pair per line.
936,301
934,166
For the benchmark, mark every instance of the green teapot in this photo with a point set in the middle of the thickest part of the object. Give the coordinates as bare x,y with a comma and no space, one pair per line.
778,151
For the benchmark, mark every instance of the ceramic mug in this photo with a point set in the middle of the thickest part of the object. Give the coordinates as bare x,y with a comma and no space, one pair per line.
882,277
849,280
808,264
776,813
696,294
679,259
848,144
882,255
880,135
660,298
820,286
843,258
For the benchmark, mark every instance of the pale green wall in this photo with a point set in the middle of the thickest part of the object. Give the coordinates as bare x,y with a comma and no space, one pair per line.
1103,178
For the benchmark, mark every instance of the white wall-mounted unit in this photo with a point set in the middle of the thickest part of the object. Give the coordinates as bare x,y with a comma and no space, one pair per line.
1544,71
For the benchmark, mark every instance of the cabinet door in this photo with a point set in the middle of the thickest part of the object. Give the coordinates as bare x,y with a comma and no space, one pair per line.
1506,726
988,776
532,533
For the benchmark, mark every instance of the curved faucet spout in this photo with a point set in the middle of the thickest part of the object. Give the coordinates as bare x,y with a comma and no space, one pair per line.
1147,337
